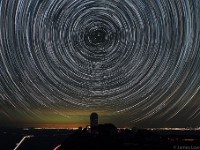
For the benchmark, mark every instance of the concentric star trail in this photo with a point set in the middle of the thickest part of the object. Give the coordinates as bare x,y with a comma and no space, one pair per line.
138,59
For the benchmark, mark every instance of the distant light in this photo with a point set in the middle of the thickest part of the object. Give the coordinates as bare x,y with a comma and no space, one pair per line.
25,128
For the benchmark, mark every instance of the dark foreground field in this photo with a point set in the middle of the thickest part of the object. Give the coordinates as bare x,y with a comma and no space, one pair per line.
105,138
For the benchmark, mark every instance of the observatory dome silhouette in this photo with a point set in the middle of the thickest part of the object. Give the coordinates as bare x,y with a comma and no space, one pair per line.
93,120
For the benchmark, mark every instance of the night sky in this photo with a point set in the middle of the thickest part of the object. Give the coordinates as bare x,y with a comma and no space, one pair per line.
134,62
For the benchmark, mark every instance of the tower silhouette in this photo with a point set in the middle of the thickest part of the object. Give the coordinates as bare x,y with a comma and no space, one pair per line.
93,120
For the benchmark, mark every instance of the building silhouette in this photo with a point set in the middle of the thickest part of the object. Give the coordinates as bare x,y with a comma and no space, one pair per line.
107,136
94,123
93,120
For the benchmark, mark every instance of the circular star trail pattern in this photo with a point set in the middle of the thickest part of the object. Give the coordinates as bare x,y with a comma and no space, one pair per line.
139,58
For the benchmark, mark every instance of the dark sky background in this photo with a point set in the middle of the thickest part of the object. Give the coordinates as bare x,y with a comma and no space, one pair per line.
135,63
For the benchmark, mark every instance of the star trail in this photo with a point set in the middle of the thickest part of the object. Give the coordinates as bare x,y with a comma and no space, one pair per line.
131,61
